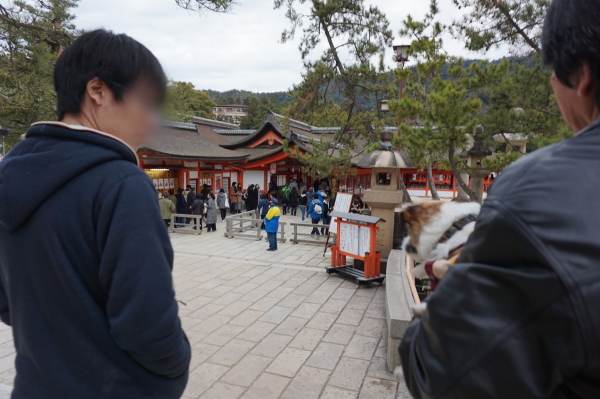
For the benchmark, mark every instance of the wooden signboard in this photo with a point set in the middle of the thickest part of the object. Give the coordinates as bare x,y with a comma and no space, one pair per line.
343,202
356,239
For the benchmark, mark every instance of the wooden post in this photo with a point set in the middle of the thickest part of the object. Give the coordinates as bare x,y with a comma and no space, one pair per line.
368,265
334,254
282,224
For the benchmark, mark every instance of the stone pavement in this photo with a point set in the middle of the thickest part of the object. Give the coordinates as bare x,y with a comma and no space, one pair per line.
271,325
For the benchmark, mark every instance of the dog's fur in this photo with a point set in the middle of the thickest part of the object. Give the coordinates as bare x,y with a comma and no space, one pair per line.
426,224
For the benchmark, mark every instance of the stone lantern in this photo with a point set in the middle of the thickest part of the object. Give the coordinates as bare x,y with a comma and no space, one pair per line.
475,156
384,195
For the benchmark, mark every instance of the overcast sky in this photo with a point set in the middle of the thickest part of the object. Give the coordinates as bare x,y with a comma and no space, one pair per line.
238,50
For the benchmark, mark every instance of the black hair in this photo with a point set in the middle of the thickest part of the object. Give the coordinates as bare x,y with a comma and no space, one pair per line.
198,196
222,190
171,191
571,35
117,60
179,190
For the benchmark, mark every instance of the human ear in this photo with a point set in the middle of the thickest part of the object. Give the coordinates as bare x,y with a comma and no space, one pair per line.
584,82
95,89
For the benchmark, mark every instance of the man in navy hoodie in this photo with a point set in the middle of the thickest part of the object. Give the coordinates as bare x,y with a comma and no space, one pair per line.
85,270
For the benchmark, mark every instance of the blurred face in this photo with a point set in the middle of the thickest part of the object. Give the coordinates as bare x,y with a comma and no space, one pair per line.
132,119
136,116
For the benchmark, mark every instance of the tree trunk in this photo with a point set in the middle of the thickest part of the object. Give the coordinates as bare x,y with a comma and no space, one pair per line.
459,179
406,196
434,194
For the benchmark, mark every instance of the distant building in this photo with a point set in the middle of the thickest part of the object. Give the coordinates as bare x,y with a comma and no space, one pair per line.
230,112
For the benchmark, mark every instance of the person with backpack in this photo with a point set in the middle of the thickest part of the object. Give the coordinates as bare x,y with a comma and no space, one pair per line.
315,213
285,191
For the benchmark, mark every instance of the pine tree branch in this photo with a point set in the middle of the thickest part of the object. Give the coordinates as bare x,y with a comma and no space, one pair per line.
498,4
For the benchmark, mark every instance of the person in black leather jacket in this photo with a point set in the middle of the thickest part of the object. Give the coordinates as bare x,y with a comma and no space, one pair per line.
517,316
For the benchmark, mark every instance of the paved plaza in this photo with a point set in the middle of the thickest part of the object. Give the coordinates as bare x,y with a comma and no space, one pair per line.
271,325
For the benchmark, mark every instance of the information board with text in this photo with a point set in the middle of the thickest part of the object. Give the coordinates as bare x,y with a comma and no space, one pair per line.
343,202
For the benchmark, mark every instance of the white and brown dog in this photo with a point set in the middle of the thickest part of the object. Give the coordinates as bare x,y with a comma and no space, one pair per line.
437,231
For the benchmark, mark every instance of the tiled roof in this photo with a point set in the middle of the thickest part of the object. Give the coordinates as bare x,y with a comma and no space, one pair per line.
316,129
259,153
238,132
214,123
249,138
209,134
306,126
179,125
183,141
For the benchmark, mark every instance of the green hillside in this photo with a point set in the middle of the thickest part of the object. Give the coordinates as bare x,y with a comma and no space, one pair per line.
242,96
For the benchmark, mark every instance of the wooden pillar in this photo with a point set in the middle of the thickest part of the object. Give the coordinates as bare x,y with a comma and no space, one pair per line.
180,178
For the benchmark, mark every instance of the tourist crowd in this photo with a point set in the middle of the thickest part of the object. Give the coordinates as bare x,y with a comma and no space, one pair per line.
315,203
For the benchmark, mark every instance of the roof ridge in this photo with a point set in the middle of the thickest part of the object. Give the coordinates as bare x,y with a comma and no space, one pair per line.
181,125
214,122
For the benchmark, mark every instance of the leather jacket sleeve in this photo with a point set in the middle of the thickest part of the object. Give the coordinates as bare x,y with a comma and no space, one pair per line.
500,324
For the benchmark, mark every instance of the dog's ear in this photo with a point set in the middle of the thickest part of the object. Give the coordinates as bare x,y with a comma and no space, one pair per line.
409,214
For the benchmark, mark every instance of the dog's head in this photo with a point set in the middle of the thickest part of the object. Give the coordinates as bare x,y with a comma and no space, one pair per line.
426,224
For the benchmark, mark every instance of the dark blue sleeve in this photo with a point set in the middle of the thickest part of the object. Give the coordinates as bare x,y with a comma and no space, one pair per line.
135,271
4,311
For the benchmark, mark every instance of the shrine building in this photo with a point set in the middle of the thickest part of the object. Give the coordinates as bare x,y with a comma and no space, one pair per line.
218,153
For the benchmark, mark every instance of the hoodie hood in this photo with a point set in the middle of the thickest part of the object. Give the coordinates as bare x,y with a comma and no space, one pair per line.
51,155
